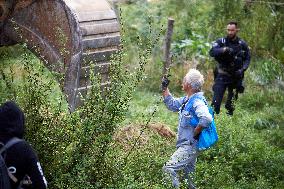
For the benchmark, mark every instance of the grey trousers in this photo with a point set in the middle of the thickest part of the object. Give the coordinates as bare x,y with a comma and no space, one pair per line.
183,159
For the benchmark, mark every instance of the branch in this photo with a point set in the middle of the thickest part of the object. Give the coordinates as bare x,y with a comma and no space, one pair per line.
167,57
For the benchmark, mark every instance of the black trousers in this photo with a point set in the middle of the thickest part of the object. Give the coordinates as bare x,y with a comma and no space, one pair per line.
221,83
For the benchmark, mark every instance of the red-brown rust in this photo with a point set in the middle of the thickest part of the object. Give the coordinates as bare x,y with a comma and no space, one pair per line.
45,27
9,7
4,10
22,4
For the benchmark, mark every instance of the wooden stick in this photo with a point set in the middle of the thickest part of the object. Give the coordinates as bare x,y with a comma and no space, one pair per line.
168,38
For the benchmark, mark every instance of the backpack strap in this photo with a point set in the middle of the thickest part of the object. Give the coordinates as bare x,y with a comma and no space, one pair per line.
185,100
191,101
10,143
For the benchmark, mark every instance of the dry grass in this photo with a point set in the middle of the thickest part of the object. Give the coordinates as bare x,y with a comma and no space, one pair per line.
127,135
162,129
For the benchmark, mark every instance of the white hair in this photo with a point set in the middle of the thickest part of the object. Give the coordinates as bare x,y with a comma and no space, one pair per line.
195,79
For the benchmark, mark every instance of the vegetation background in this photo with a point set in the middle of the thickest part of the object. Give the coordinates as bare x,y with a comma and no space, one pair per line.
114,143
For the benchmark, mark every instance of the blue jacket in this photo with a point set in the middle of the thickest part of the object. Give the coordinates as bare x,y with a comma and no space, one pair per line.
199,108
238,59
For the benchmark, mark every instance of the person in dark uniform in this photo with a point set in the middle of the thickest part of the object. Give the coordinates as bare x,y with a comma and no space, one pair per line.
20,158
233,58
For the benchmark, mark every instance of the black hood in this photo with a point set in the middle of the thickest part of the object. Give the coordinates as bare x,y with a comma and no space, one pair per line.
12,120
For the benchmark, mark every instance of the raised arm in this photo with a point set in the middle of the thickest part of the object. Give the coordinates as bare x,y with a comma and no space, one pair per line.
172,103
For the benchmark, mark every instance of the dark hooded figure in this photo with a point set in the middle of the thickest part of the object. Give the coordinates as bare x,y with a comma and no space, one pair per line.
20,159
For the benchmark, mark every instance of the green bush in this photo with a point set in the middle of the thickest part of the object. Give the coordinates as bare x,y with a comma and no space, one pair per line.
72,147
79,150
259,22
244,157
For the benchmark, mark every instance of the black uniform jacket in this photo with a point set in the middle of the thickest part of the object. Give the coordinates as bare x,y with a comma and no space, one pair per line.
239,58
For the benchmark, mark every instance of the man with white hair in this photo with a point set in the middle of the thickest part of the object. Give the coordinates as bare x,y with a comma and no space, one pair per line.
192,105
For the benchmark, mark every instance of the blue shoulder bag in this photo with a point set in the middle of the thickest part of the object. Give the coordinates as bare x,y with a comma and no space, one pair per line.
208,136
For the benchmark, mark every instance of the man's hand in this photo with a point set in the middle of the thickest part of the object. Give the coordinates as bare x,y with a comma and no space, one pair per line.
165,83
228,50
197,132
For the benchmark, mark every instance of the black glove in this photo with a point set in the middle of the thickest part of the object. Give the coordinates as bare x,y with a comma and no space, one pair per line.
165,83
229,51
239,73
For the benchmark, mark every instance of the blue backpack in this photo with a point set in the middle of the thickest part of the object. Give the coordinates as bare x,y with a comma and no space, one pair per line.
208,136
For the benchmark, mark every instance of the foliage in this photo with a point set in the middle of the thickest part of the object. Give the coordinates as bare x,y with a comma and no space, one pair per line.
75,145
195,45
79,150
244,157
201,23
267,72
260,23
190,42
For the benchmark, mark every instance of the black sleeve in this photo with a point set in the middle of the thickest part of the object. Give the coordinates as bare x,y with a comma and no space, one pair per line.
246,56
34,170
217,48
23,159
